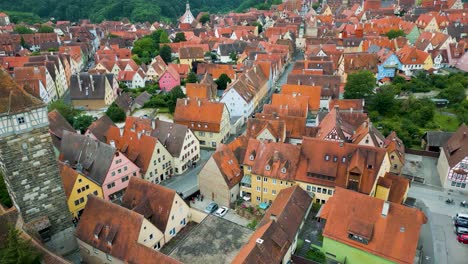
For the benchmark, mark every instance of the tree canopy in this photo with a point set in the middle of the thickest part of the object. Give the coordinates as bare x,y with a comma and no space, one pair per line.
115,113
21,29
66,110
179,36
82,122
204,18
395,33
173,95
166,53
223,81
191,77
45,29
18,250
4,195
360,85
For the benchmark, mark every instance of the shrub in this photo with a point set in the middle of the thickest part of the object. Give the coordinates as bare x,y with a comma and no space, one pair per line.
253,224
315,255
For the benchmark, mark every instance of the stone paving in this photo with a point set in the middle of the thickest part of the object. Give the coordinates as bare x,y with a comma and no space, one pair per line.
231,214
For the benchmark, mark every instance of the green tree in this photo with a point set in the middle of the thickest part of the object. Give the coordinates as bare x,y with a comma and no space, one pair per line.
4,195
23,43
173,95
18,250
462,112
204,18
21,29
223,81
395,33
66,110
383,101
82,123
359,85
165,53
455,93
164,38
115,113
233,56
260,27
45,29
191,77
179,37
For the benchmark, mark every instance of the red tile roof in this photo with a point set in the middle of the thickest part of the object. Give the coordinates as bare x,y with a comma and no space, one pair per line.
228,165
393,237
199,115
312,92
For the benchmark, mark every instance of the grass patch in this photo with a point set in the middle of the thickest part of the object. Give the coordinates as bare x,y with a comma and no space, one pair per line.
446,122
316,255
163,110
253,224
300,243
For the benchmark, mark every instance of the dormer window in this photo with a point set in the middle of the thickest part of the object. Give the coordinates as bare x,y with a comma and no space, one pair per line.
369,166
327,157
335,158
343,160
283,170
251,157
267,167
21,120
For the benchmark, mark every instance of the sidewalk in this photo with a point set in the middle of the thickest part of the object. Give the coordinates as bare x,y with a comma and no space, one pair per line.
231,214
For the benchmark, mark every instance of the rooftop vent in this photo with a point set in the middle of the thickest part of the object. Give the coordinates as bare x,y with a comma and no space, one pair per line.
385,208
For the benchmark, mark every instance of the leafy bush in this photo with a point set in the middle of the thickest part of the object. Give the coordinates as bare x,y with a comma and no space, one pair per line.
115,113
4,196
253,224
316,255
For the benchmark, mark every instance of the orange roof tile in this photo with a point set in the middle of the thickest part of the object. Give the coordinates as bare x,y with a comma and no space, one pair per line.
198,90
199,115
312,92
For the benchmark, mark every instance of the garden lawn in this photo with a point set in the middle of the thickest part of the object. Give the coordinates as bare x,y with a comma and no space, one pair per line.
446,122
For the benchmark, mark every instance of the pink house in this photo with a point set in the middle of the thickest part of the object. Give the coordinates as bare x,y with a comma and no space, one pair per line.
169,79
99,162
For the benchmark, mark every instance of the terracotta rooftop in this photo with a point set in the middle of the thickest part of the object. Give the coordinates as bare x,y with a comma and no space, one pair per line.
99,128
14,99
256,126
228,165
57,124
393,237
198,90
312,92
329,163
347,104
399,186
456,148
199,115
153,201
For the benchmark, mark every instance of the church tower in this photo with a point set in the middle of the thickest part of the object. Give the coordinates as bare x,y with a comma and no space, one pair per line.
29,166
187,17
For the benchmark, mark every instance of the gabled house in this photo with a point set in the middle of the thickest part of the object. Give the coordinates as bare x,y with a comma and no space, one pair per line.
426,22
367,135
147,152
312,92
161,206
220,177
396,152
180,142
210,121
99,162
98,129
275,240
109,233
413,59
340,126
271,167
199,90
388,64
92,91
325,165
38,81
187,55
77,187
453,161
392,188
169,79
363,229
266,130
155,69
132,79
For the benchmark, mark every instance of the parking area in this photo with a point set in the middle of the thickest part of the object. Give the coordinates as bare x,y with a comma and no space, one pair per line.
214,240
231,214
437,236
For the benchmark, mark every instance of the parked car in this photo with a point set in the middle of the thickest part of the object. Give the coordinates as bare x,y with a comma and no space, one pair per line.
460,219
463,238
211,208
460,230
222,211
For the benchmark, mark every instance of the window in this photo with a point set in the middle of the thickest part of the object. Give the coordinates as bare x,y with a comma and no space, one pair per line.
172,232
202,134
319,189
111,185
134,173
273,192
118,161
327,157
274,181
182,222
95,193
330,192
267,167
119,171
258,189
324,191
113,173
314,189
265,179
124,179
213,144
77,202
21,120
265,190
309,188
78,191
95,250
259,178
251,157
80,180
125,168
249,168
151,236
258,199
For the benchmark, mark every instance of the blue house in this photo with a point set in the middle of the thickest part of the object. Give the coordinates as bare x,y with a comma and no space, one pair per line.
389,64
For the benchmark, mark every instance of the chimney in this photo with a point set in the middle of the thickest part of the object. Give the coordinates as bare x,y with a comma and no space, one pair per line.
79,82
112,143
385,208
351,110
139,135
199,103
121,130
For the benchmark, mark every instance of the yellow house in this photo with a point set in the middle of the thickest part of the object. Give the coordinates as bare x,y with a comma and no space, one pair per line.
77,188
325,165
428,63
271,167
392,188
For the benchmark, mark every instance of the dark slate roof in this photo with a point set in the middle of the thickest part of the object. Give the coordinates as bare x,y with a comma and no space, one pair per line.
99,128
171,135
437,138
92,157
87,86
124,101
236,47
142,98
58,124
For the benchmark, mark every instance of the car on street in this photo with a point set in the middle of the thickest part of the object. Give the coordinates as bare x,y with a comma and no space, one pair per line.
211,208
460,219
463,238
460,230
222,211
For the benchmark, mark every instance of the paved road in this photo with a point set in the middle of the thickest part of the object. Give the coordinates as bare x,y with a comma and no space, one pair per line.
437,236
187,183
